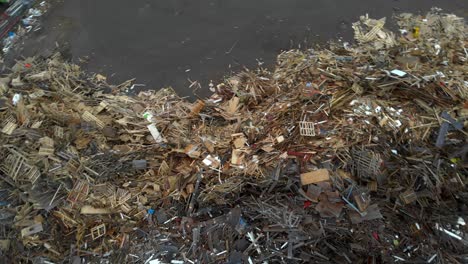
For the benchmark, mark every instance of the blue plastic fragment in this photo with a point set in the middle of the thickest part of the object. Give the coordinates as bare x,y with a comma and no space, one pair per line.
150,211
242,222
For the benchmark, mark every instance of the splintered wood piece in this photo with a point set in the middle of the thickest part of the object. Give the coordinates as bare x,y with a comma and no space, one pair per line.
232,105
31,230
280,139
315,176
88,117
47,146
46,151
125,208
46,141
100,107
239,140
372,186
9,128
192,151
58,132
197,107
36,124
37,94
408,196
237,157
9,119
121,196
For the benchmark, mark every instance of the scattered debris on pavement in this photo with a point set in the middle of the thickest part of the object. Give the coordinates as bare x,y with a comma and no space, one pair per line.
350,154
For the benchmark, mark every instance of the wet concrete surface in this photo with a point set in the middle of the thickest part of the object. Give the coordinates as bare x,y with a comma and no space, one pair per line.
169,42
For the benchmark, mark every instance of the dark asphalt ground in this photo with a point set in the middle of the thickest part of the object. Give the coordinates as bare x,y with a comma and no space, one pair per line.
166,42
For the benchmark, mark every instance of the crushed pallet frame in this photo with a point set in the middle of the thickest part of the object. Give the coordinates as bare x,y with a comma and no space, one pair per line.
9,125
90,118
58,132
98,231
307,129
367,164
17,168
79,192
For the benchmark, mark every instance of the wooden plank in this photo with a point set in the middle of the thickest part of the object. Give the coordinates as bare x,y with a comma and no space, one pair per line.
315,176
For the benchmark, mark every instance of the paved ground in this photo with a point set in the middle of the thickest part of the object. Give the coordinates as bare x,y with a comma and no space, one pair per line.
167,42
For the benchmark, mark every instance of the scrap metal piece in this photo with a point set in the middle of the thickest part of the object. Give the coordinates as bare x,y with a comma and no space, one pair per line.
139,164
195,239
444,128
372,213
194,195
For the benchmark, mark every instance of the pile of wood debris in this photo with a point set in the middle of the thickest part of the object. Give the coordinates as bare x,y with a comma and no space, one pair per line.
351,154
